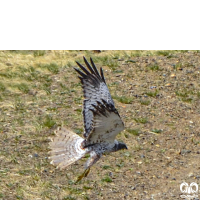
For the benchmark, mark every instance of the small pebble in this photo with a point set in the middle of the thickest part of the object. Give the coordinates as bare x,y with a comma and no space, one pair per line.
172,75
35,155
190,174
168,85
133,188
184,151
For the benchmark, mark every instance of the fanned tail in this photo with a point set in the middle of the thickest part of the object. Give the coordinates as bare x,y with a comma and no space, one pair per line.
65,148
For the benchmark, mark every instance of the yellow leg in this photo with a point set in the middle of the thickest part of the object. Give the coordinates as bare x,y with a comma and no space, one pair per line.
85,173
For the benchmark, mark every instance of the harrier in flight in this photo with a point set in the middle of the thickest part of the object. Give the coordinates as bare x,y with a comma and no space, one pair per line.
102,123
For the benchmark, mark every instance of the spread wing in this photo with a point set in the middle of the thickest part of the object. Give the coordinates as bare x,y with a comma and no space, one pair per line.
106,124
99,111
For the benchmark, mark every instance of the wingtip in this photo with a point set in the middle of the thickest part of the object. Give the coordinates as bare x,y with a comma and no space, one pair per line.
91,59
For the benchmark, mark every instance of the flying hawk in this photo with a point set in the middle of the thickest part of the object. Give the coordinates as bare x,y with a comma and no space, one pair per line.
102,123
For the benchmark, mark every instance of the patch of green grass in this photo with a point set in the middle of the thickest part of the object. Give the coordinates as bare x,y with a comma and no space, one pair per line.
19,106
185,93
152,93
2,87
145,102
124,99
23,87
163,53
108,61
163,150
136,53
9,74
79,110
25,172
87,187
188,99
154,67
39,53
52,67
182,94
156,130
23,52
107,179
106,167
75,190
33,75
46,85
133,131
184,51
49,122
78,100
141,120
121,164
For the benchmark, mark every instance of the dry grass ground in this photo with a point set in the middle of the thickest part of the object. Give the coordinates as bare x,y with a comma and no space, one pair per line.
157,94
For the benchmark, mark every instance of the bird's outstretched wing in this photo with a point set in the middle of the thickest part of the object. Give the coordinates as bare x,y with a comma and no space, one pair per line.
99,112
106,124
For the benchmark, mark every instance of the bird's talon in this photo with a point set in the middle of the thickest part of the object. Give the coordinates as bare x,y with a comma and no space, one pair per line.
84,174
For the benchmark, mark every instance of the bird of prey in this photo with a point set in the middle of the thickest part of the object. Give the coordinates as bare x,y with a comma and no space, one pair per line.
102,123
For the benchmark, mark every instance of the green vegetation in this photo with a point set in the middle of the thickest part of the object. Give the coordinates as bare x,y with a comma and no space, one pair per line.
163,53
23,87
152,93
2,87
107,179
124,99
106,167
154,67
135,132
156,130
39,53
145,102
49,122
141,120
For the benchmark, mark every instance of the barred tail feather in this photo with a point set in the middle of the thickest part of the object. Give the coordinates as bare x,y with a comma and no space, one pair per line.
65,148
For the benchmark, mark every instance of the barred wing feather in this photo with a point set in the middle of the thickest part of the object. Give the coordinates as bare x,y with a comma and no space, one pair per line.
94,89
106,124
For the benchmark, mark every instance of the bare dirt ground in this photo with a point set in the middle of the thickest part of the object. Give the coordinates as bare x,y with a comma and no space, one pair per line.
157,95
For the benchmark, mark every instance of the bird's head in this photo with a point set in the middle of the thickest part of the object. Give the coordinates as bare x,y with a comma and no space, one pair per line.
120,145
